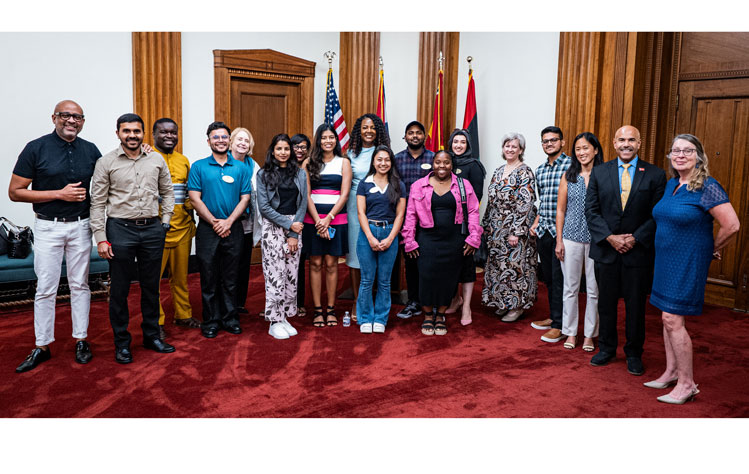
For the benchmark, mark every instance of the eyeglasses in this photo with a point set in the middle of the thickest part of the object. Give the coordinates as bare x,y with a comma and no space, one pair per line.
66,116
220,137
685,151
300,147
549,140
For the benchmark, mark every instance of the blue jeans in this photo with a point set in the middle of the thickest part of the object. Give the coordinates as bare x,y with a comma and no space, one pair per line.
379,264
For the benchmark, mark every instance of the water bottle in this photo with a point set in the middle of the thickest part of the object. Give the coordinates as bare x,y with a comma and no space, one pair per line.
346,319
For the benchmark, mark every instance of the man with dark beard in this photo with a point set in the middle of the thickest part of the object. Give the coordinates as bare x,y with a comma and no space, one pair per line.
127,183
413,163
219,187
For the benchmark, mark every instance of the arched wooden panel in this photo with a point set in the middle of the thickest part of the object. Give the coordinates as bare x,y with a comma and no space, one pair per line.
157,79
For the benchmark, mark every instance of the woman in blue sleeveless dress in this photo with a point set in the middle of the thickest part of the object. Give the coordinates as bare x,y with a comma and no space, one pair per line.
684,249
368,133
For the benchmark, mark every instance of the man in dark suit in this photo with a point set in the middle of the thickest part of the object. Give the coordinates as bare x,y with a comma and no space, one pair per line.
619,210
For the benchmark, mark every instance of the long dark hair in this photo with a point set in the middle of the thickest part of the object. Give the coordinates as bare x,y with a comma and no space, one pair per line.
574,170
315,165
273,173
394,178
382,137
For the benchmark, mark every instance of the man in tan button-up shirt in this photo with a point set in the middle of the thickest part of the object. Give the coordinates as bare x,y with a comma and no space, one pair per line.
128,183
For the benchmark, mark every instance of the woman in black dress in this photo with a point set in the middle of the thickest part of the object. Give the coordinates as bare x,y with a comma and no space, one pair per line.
432,233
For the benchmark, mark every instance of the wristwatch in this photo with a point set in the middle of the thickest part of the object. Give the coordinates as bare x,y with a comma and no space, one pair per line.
166,227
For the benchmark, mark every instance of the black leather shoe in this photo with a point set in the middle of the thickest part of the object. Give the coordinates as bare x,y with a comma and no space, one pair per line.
159,346
82,352
634,366
209,332
601,359
123,355
36,357
233,328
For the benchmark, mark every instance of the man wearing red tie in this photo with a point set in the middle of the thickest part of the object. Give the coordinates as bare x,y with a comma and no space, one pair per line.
619,210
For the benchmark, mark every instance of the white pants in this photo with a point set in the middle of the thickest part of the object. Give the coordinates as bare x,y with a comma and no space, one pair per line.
52,240
576,260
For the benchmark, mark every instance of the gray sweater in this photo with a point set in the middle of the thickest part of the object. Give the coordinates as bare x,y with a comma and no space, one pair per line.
268,200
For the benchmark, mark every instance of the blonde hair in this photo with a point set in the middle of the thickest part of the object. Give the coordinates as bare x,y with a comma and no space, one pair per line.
700,172
234,135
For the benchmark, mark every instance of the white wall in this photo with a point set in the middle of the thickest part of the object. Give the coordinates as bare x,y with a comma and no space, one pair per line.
516,81
515,76
39,70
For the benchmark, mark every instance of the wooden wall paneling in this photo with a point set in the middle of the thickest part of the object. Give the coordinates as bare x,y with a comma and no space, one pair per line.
430,45
157,79
359,74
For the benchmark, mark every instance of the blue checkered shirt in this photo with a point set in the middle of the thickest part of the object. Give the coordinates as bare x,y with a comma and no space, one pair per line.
411,169
547,180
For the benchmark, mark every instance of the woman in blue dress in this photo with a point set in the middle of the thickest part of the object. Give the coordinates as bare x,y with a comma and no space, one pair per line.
368,133
684,248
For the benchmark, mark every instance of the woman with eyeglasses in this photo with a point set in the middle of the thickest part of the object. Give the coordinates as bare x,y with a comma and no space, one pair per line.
326,224
510,281
300,146
241,145
684,249
282,201
573,241
368,133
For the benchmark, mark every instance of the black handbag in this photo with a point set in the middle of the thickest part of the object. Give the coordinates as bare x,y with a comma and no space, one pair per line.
16,240
481,254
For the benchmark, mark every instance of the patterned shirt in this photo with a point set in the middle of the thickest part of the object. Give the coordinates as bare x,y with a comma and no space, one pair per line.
183,226
575,226
413,169
547,180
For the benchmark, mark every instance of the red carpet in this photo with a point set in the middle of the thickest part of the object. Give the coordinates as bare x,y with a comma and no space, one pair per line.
487,369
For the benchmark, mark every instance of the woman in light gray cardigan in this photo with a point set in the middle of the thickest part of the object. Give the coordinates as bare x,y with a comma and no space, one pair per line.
282,204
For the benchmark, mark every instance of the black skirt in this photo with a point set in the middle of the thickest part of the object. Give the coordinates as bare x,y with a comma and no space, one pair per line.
440,254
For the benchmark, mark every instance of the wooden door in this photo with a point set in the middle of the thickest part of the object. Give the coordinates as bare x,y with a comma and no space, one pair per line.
717,112
265,108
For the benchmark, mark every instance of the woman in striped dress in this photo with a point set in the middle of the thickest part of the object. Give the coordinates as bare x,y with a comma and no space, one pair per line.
326,224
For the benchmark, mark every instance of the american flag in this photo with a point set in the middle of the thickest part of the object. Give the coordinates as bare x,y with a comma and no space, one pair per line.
333,114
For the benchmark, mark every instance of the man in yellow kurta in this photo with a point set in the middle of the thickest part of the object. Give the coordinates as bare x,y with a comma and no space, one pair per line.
179,237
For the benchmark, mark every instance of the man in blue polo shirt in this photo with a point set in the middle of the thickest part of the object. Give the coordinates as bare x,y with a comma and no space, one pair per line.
219,188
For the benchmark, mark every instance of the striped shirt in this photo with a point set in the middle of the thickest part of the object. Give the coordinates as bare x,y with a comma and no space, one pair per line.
547,180
326,191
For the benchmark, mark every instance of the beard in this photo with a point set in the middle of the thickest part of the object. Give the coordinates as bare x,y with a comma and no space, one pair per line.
216,151
412,146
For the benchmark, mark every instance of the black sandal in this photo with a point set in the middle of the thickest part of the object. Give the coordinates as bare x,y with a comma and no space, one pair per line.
440,324
331,319
427,327
318,314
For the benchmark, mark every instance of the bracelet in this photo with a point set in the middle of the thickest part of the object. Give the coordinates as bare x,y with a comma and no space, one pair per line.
104,242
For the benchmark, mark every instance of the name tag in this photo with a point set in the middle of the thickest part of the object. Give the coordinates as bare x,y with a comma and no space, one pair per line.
458,171
426,166
227,179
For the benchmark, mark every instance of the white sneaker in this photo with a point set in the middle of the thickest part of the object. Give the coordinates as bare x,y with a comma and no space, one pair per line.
278,331
289,328
378,328
366,328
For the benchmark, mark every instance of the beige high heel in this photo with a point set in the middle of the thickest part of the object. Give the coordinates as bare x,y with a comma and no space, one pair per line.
674,401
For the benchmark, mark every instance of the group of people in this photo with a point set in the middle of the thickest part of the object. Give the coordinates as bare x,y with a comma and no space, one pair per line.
619,223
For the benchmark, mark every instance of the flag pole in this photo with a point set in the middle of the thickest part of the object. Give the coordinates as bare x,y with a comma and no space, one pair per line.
470,67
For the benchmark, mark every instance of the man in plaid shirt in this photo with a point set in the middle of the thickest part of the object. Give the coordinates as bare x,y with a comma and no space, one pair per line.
548,176
412,164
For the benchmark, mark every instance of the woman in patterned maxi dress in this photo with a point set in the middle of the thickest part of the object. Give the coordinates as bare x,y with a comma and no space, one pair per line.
510,281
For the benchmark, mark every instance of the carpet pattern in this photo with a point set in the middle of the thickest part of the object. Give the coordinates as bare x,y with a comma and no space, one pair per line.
486,369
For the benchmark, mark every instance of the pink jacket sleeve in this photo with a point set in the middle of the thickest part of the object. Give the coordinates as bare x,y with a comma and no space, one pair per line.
412,220
474,228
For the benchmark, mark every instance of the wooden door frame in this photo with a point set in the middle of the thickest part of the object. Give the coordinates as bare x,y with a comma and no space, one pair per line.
741,302
262,64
